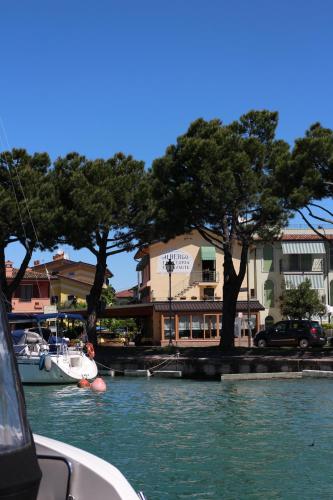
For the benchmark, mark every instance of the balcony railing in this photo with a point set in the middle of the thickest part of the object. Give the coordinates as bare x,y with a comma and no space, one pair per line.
204,276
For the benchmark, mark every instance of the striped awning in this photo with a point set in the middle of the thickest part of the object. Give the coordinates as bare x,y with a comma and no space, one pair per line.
302,247
293,280
208,253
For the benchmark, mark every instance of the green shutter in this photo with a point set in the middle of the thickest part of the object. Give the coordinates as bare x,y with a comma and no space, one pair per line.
208,253
268,264
269,294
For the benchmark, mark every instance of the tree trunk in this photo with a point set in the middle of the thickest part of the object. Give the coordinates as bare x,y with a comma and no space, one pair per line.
93,299
231,286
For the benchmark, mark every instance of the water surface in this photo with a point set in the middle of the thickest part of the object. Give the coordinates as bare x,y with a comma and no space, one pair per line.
181,439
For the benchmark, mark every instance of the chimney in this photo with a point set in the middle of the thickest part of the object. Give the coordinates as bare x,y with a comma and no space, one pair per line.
36,262
9,269
58,256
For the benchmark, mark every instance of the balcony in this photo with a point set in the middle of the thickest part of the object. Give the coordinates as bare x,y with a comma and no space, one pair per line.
204,277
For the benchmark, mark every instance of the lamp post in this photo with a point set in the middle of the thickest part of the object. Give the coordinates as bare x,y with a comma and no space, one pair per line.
170,266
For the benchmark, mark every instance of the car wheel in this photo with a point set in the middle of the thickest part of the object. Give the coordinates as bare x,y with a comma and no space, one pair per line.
262,343
304,343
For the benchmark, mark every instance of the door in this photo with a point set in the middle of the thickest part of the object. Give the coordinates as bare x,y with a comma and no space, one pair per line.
210,326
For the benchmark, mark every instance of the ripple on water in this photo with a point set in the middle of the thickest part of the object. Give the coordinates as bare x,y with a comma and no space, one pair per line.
177,439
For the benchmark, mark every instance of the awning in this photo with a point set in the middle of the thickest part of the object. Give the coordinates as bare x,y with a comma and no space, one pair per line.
293,280
208,253
143,263
303,247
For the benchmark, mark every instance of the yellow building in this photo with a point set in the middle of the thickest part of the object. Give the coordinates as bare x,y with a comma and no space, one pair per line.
196,291
74,279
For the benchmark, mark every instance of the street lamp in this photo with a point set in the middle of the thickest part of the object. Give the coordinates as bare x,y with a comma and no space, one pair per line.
170,266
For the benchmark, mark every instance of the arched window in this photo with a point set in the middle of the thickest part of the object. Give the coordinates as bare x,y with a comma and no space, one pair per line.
268,259
268,294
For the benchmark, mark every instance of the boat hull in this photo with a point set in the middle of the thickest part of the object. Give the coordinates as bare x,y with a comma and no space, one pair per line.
63,369
71,472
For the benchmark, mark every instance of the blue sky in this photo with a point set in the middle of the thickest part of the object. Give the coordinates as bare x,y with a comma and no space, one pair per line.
104,76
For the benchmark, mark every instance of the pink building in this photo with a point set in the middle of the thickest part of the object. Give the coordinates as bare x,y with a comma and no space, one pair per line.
33,292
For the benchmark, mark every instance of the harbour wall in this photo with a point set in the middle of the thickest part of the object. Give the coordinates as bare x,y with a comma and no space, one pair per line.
213,364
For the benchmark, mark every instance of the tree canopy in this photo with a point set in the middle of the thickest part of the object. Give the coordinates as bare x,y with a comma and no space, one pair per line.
28,209
105,208
301,302
219,179
310,177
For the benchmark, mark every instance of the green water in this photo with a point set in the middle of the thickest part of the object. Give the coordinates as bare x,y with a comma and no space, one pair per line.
177,439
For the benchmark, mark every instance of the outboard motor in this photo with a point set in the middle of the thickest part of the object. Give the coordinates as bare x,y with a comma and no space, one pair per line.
20,474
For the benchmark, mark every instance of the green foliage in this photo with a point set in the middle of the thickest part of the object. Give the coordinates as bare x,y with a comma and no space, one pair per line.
68,304
108,295
219,177
327,326
28,208
114,324
301,302
309,174
106,205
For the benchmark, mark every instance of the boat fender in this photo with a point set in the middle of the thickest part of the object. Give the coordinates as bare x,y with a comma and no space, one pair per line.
90,350
42,361
83,383
98,385
48,363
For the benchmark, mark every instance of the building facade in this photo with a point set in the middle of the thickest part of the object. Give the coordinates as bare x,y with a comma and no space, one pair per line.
71,281
196,291
298,255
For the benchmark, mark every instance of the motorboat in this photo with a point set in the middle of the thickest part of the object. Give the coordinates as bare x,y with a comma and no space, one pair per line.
38,468
45,357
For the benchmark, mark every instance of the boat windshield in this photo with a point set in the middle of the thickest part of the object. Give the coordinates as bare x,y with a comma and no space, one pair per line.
14,430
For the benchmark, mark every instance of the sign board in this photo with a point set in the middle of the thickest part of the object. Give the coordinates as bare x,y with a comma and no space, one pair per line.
183,261
50,309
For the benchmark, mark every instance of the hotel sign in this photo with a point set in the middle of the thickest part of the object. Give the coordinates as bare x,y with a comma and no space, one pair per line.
183,261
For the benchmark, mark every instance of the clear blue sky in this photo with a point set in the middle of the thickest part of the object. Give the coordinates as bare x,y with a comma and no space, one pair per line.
104,76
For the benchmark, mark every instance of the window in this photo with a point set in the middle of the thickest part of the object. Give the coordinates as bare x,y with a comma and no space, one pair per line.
208,293
268,294
281,327
54,299
26,292
169,325
197,327
301,262
268,259
184,327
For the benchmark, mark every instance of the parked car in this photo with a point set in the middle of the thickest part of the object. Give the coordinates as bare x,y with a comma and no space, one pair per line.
302,333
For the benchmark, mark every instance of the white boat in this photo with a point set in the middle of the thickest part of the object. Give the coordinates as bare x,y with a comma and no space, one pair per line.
69,472
39,468
51,360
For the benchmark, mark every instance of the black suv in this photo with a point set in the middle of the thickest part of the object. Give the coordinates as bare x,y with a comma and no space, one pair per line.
303,333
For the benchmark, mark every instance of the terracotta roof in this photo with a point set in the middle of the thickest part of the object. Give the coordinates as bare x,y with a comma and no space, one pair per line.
205,305
32,275
305,237
125,294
